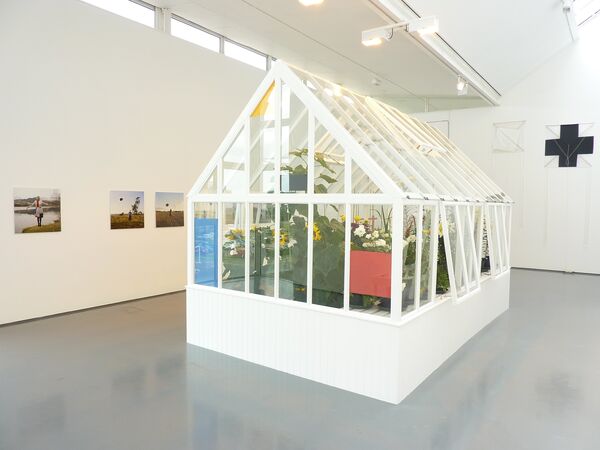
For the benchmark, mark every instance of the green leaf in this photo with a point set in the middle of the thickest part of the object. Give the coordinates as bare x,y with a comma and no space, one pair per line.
327,178
320,158
320,189
300,170
299,152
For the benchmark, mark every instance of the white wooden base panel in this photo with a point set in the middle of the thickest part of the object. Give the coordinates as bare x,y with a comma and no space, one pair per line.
385,361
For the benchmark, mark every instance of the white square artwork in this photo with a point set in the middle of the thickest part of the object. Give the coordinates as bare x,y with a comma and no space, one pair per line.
508,137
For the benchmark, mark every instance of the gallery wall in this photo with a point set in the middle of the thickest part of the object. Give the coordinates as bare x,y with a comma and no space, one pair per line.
92,102
557,212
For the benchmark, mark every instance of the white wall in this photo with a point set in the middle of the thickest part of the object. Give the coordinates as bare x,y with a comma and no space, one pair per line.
557,211
92,102
368,355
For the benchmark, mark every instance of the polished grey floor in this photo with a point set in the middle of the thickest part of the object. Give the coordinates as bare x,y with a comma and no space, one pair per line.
122,377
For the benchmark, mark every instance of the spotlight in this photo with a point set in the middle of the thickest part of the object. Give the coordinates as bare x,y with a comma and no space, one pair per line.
424,25
372,42
462,86
420,25
375,36
310,2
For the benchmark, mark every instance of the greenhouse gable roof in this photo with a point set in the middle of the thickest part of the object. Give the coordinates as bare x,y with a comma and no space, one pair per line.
399,154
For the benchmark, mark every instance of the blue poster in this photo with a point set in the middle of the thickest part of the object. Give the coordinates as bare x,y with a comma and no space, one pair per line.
205,251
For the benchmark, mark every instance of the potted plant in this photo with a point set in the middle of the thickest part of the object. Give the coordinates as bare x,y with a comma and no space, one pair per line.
371,262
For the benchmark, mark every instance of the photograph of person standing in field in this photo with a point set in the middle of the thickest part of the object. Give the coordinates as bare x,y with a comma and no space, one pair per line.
36,210
126,210
169,209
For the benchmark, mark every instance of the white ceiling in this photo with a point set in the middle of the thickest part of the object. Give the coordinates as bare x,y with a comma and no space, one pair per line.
503,43
504,40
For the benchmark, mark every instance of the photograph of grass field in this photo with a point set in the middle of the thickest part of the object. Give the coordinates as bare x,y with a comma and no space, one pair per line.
126,210
36,210
169,209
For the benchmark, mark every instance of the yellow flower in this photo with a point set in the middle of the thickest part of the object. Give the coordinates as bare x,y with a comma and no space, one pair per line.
316,233
343,217
357,218
282,239
440,230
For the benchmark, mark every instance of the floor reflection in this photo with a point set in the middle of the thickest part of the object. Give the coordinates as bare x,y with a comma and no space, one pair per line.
123,378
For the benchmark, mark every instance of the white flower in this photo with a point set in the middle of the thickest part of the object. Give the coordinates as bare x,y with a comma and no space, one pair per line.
292,243
375,234
233,252
265,261
262,245
368,236
380,243
360,231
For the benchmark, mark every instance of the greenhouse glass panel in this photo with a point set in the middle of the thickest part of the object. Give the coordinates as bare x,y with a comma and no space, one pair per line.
294,143
455,251
467,246
263,144
233,165
502,228
293,250
234,246
486,267
494,239
361,182
328,163
409,257
403,156
428,252
328,255
478,238
507,219
371,259
262,249
442,272
206,228
210,186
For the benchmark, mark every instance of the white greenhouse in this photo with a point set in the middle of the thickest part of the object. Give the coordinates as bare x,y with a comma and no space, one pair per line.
337,239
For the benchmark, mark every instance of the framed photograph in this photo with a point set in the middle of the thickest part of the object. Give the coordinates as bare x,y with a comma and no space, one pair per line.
126,210
169,209
36,210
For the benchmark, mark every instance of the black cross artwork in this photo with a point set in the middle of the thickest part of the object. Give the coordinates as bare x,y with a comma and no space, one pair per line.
569,145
